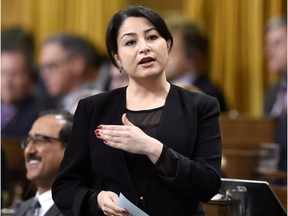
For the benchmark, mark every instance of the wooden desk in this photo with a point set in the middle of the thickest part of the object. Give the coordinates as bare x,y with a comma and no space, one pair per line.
246,133
272,176
241,139
281,192
240,164
217,208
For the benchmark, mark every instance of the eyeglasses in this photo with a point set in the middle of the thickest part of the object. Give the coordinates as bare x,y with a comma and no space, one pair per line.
39,140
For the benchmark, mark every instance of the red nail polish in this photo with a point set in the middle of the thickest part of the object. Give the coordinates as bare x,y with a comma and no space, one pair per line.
99,127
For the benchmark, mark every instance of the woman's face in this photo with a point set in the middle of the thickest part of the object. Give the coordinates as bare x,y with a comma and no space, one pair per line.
142,51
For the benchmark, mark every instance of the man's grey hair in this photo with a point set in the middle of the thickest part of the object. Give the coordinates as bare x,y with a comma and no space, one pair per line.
276,22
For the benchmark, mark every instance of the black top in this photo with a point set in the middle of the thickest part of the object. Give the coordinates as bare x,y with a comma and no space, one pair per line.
148,121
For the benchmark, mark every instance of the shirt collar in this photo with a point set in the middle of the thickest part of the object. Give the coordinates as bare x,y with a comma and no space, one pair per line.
188,79
45,200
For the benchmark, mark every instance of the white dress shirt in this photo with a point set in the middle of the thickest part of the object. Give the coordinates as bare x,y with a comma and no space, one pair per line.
46,201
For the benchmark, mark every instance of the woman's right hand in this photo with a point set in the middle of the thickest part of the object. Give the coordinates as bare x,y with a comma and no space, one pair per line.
108,203
130,138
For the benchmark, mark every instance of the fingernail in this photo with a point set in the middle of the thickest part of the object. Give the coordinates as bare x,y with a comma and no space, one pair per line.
99,127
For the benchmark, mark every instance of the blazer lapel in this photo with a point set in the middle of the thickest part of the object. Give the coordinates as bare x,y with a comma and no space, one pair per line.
23,207
53,211
116,113
173,122
170,121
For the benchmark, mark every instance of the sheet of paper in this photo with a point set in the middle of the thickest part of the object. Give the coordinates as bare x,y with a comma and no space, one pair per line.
130,207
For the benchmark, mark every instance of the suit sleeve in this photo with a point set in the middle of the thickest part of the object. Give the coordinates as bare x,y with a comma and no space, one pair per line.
198,176
71,190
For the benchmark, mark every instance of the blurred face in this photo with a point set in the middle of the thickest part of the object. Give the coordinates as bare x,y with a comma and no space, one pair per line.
276,49
15,79
56,69
178,61
141,50
42,155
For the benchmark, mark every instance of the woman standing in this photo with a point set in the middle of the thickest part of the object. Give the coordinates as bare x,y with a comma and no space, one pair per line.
154,142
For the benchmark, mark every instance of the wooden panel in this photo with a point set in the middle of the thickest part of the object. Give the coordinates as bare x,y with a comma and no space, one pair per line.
246,133
14,156
240,164
17,183
216,208
241,139
281,192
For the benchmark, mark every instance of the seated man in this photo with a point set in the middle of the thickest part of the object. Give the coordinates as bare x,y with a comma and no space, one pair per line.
69,67
188,59
43,152
19,102
276,96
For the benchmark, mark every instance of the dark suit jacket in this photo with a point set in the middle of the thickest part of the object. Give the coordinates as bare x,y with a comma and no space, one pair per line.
21,123
280,135
203,83
271,96
22,208
188,125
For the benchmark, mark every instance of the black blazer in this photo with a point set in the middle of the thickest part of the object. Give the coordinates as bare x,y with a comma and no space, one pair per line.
188,125
22,208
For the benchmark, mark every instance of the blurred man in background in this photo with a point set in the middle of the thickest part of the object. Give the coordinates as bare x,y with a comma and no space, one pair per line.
43,152
276,55
19,103
69,66
276,96
188,59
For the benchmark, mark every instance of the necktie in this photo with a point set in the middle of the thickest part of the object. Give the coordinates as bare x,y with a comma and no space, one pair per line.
34,208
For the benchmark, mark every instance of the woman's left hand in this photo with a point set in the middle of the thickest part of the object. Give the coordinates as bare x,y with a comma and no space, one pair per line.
130,138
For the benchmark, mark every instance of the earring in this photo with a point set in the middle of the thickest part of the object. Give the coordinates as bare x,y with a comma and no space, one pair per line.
121,69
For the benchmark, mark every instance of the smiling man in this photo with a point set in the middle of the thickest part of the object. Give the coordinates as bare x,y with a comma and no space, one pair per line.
43,151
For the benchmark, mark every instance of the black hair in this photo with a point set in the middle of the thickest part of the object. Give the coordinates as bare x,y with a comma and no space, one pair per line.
18,39
65,131
77,45
195,41
133,11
